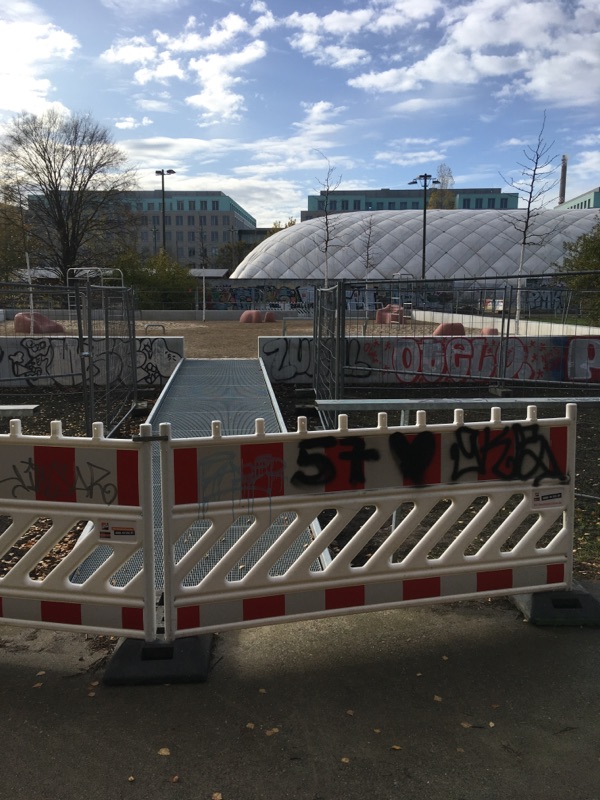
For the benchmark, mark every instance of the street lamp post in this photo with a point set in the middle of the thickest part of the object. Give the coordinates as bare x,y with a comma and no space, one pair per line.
162,173
425,180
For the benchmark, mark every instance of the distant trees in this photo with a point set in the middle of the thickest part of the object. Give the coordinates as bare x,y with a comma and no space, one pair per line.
12,243
158,280
277,226
583,256
328,232
443,195
69,177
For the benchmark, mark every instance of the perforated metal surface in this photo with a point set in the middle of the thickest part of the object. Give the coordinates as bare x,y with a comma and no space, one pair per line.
235,393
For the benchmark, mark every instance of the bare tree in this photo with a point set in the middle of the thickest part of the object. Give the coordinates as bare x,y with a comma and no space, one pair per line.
72,177
443,195
537,181
329,184
369,255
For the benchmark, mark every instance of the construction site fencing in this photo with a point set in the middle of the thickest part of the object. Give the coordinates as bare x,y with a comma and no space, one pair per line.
79,338
412,514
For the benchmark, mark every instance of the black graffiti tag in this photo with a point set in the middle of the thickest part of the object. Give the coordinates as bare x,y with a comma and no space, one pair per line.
513,453
322,469
413,457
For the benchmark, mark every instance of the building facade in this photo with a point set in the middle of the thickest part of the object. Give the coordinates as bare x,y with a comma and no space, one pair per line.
196,224
590,199
340,201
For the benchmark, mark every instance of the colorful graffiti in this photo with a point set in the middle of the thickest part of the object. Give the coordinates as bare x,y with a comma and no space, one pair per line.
409,360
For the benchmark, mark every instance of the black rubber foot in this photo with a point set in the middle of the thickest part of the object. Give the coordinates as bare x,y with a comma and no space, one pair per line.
139,663
576,608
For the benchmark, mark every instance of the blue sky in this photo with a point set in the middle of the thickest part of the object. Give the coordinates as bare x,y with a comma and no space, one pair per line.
254,97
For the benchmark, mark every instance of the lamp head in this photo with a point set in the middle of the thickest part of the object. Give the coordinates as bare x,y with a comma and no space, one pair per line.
170,172
413,182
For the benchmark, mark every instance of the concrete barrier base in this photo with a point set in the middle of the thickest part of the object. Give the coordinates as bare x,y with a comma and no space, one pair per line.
139,663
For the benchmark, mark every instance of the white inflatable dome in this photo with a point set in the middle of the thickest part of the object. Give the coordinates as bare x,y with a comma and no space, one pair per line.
460,244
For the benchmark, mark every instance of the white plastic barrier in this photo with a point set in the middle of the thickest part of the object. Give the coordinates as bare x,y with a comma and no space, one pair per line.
478,509
52,485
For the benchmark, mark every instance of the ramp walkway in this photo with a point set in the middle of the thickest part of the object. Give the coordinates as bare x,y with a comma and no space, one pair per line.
234,392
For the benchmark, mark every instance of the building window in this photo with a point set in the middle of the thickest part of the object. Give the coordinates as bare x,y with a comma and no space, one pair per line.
202,222
403,204
344,205
191,252
379,206
333,205
467,202
479,202
150,206
191,205
215,205
155,221
144,220
139,206
214,236
191,236
168,236
179,219
179,236
491,202
414,204
180,252
180,205
225,219
368,205
214,220
392,206
356,205
504,202
321,205
168,219
203,205
191,221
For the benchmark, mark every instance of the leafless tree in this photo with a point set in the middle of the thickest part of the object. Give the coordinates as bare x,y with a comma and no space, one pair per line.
538,179
329,184
72,178
443,196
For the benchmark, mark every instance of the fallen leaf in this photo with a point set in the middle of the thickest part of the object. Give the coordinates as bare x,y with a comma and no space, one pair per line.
131,779
491,724
174,779
376,730
350,712
164,751
444,658
250,726
95,683
217,796
345,760
466,724
459,750
437,698
272,731
40,673
395,747
495,705
419,674
262,691
37,685
91,694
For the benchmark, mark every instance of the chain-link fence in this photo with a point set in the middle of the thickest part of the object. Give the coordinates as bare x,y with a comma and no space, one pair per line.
79,339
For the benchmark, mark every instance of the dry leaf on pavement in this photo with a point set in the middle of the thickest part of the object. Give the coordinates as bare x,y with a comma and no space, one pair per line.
164,751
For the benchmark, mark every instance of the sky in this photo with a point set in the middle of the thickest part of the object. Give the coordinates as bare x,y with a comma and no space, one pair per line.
262,99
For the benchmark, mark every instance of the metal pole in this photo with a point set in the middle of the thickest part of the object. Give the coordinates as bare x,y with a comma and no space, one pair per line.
162,182
424,226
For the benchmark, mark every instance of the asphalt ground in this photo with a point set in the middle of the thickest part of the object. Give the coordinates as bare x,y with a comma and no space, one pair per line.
461,701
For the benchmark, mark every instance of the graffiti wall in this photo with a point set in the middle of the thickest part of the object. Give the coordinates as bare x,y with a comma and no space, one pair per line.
438,360
56,361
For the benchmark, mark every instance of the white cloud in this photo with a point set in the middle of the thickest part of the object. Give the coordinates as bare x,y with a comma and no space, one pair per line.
128,123
141,8
136,50
216,75
222,33
31,45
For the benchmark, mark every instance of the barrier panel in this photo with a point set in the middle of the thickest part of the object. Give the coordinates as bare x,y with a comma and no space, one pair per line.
411,515
67,503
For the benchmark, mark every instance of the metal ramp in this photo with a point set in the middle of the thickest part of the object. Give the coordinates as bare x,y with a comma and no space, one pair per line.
234,392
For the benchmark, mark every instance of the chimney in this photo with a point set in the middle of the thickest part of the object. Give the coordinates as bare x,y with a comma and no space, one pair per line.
563,180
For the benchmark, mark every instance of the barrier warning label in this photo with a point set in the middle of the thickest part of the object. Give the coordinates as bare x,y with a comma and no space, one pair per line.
116,531
548,498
